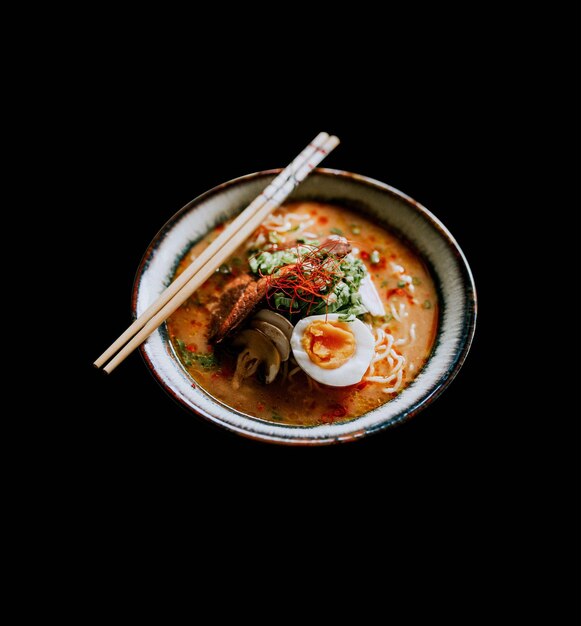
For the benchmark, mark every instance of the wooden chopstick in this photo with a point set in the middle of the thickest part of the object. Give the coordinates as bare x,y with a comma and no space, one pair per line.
220,249
209,252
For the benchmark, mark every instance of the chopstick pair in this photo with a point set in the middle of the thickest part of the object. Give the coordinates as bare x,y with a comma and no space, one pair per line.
218,251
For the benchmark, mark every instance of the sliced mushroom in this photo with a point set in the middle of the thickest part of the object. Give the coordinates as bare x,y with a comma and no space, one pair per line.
276,319
257,351
276,335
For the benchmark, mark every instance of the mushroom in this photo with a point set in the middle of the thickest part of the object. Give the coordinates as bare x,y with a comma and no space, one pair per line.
275,335
276,319
257,350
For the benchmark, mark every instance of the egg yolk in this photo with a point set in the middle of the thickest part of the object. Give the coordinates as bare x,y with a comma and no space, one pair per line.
329,344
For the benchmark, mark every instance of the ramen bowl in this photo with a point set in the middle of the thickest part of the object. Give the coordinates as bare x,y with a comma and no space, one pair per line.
376,200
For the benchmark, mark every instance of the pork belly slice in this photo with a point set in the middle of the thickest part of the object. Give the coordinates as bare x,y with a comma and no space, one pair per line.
222,307
232,312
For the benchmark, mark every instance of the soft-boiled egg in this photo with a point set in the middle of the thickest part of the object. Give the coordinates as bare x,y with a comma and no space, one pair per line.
332,352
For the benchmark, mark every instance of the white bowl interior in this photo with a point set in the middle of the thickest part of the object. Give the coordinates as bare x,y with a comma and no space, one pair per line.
391,207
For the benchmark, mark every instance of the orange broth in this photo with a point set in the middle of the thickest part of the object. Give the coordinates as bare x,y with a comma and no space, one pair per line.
401,279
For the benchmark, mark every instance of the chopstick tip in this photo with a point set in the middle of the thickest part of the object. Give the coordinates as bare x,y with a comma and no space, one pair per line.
99,368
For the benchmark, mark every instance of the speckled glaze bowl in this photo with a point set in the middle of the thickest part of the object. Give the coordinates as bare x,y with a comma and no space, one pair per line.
380,201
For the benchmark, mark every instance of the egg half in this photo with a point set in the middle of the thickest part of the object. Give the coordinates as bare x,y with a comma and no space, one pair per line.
332,352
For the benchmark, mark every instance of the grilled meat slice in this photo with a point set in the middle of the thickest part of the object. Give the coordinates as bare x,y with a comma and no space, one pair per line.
222,307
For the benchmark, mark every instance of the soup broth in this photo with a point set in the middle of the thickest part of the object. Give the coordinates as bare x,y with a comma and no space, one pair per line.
309,258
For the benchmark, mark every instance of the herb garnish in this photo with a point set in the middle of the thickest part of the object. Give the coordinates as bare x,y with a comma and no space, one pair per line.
206,361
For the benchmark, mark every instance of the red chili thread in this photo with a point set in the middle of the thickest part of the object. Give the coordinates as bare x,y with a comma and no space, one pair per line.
305,281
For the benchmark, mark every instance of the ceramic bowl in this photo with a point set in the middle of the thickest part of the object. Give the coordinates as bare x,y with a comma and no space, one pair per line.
384,203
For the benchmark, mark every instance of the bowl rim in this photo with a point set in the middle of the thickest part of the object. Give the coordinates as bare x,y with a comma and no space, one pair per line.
469,320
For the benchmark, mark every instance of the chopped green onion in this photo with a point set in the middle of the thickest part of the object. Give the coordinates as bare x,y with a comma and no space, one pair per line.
309,242
383,284
427,304
336,231
273,237
401,284
282,302
185,354
416,281
267,262
356,230
347,318
207,361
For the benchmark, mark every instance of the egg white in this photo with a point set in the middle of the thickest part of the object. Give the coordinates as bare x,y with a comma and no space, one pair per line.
352,371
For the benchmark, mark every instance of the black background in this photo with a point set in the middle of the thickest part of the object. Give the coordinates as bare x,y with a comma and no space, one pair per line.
472,123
